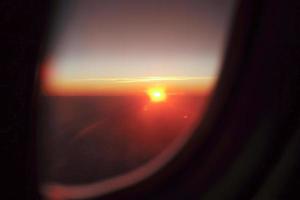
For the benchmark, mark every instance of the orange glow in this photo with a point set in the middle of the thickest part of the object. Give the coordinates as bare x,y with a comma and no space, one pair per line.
55,84
157,94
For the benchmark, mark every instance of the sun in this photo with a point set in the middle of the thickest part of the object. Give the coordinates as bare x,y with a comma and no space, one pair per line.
157,94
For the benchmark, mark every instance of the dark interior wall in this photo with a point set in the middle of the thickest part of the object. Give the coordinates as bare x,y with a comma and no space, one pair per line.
23,27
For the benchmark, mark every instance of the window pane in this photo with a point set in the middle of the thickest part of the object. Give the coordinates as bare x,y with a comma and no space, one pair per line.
124,84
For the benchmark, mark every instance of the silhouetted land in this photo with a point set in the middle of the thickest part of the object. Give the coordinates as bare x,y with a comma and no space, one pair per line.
84,139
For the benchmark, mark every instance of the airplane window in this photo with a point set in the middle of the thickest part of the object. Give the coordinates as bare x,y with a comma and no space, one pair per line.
122,87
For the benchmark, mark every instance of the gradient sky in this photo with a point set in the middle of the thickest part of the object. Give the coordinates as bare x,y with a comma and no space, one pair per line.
98,42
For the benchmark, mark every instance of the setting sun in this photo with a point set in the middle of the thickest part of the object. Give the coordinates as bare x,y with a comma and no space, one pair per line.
157,94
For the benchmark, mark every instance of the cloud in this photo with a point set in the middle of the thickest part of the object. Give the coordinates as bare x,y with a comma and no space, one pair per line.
141,79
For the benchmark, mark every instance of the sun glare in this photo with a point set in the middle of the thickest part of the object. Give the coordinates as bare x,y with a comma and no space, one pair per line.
157,94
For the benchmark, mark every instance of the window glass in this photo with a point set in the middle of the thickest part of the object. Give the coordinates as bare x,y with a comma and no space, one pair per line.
123,86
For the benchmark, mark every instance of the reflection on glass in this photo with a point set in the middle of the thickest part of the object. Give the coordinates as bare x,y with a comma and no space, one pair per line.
124,81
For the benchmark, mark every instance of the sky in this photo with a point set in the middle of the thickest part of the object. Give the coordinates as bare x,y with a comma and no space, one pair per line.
115,45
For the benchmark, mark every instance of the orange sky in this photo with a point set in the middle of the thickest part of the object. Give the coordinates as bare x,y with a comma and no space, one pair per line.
53,85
